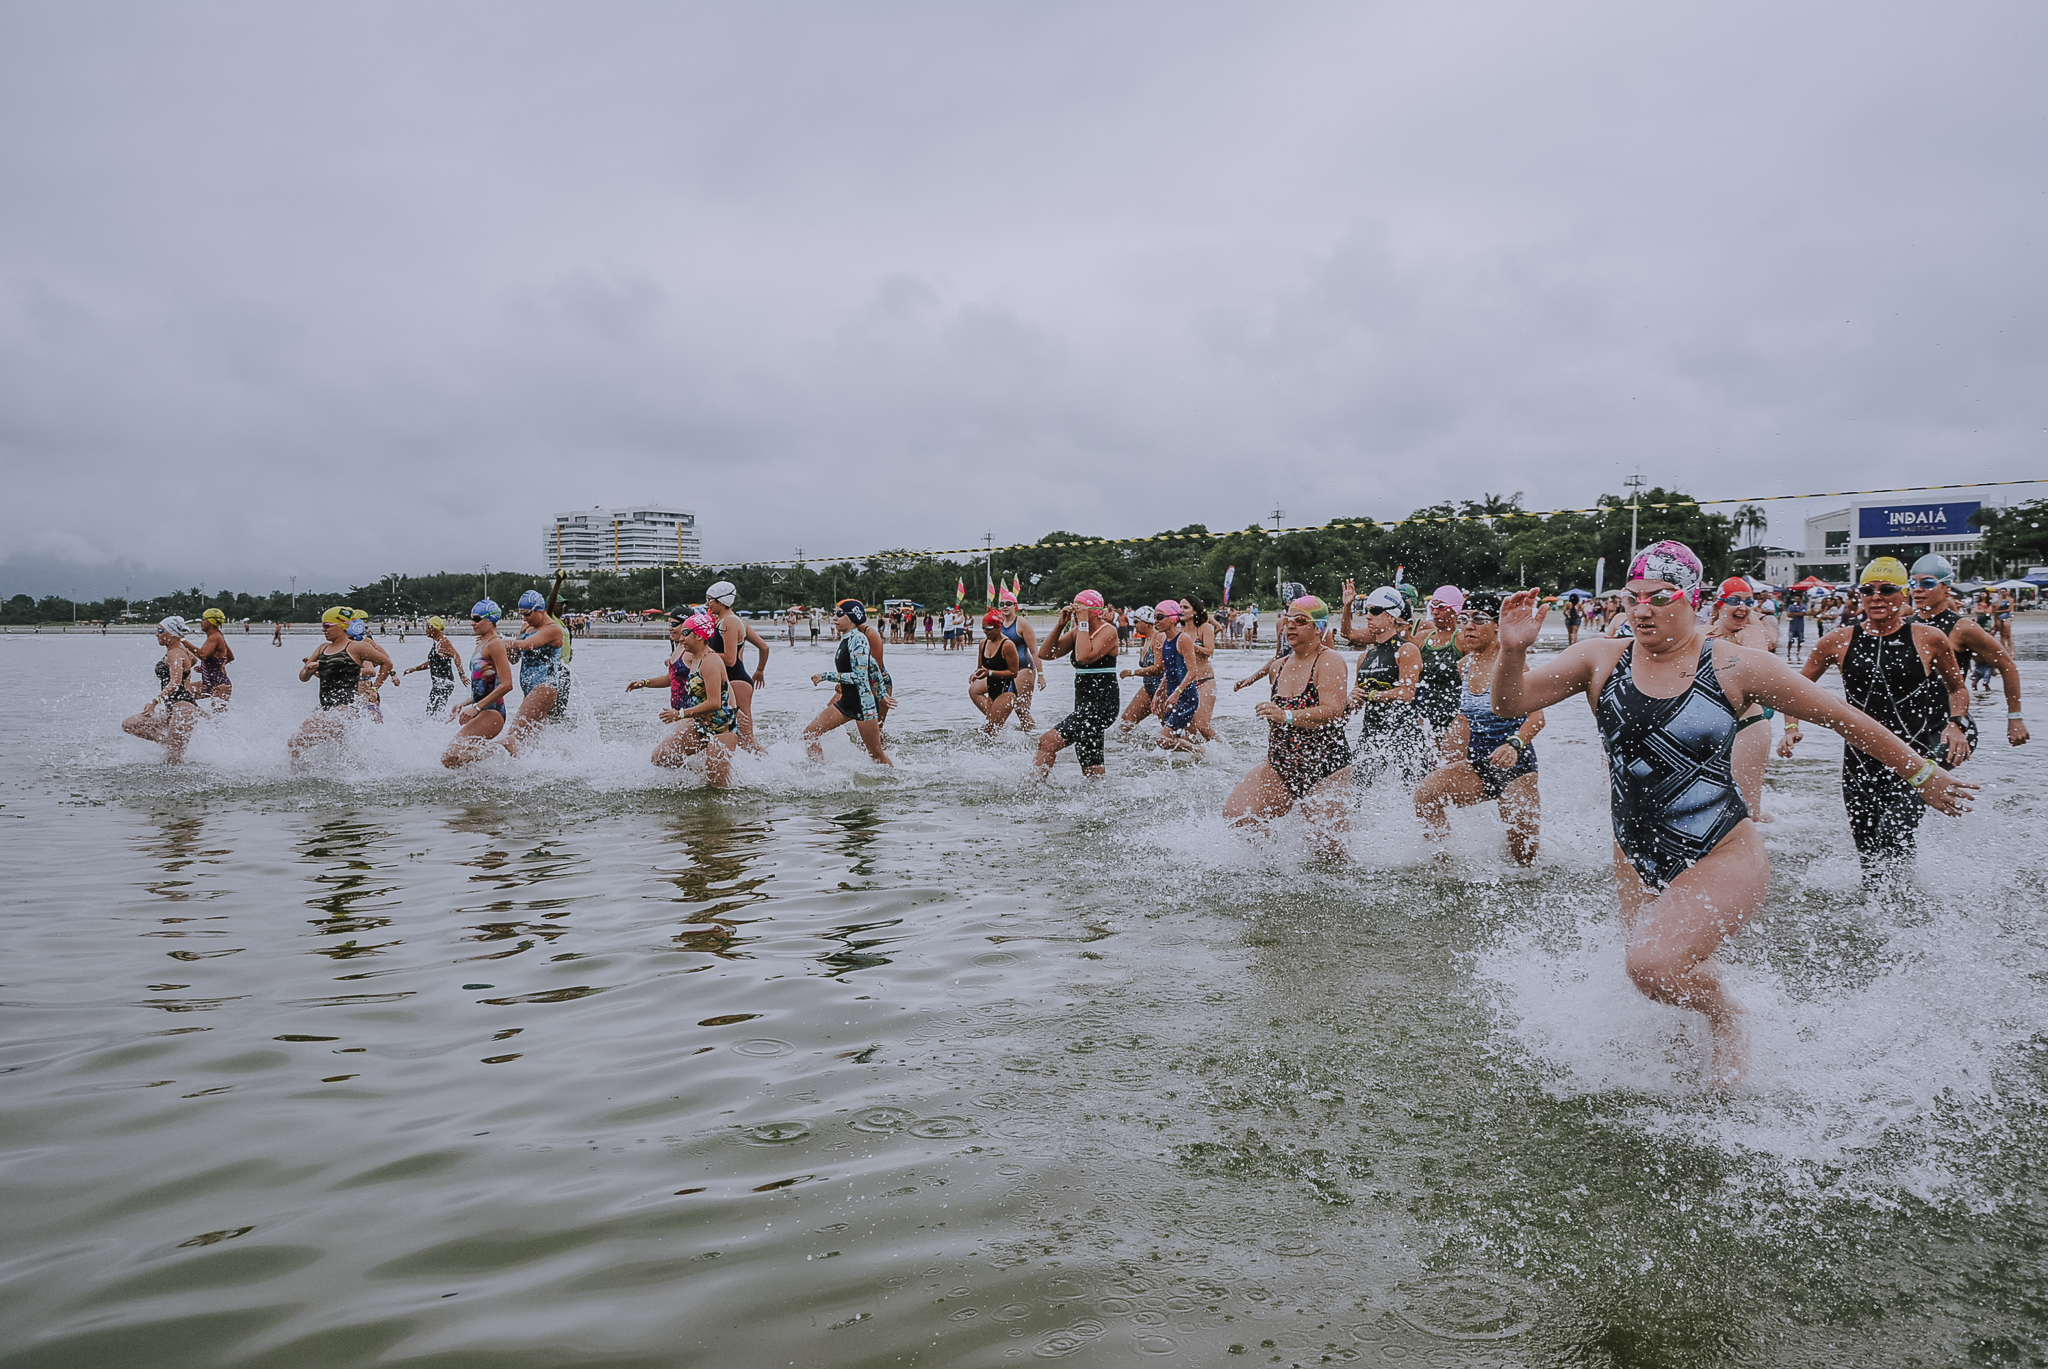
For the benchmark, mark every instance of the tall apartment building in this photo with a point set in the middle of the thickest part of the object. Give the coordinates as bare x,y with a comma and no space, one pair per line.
629,538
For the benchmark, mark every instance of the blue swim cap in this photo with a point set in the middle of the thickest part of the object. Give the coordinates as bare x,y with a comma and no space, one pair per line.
532,600
487,609
359,630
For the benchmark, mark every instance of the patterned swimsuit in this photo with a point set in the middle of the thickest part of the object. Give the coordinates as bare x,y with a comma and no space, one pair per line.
1303,757
1674,792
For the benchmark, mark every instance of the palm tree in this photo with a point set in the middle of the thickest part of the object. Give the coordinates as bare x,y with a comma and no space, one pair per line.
1751,523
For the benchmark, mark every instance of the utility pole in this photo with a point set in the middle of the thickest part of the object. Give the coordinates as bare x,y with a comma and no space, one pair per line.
487,579
988,559
1279,571
661,578
295,594
1634,484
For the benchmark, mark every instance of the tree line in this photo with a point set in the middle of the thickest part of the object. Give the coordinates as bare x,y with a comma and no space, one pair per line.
1490,542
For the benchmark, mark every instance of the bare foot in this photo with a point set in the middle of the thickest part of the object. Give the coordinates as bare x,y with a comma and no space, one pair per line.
1730,1064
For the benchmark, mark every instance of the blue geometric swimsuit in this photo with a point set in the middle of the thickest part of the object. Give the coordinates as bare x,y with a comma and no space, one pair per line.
1668,763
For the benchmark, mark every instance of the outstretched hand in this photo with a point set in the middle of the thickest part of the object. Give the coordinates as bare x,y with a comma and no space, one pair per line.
1521,618
1944,793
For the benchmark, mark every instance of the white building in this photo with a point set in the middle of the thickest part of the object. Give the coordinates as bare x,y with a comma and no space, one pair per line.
1840,544
630,538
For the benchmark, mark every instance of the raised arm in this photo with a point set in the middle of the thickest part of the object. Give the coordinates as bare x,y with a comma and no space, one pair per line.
1519,691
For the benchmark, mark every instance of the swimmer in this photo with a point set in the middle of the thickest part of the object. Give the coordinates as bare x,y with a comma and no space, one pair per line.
1180,690
1736,620
1019,630
1438,690
885,683
338,662
368,686
1690,866
1977,650
677,677
214,656
706,721
1904,674
543,679
732,636
995,674
1573,617
490,680
442,659
1388,678
1144,703
277,633
1202,628
1498,759
858,702
1308,757
1086,632
176,673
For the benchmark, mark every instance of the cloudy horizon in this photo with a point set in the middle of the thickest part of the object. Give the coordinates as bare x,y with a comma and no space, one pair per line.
334,293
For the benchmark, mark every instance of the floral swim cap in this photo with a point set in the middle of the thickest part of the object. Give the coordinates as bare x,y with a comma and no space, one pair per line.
1672,562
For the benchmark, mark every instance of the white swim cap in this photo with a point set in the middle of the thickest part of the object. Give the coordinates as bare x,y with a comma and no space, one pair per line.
173,625
723,592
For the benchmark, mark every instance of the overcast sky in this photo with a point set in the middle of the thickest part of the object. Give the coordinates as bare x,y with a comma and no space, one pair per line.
340,290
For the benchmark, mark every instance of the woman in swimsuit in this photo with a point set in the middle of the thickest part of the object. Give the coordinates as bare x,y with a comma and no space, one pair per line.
1085,631
178,692
705,720
854,672
1203,629
1181,682
1307,756
1736,620
490,680
338,663
1690,865
995,673
1389,675
677,667
1497,757
214,656
543,679
1019,630
443,658
732,636
1145,702
1437,693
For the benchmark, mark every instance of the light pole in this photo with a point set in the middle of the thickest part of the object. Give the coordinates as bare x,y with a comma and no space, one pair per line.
295,594
1635,508
487,579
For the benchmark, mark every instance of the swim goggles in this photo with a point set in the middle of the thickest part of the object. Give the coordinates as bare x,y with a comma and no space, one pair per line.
1660,598
1926,582
1879,587
1740,601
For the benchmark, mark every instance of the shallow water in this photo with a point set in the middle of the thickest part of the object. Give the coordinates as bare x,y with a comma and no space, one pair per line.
572,1062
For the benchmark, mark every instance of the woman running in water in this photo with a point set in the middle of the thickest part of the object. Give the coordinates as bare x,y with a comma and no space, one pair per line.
1438,692
1089,634
443,657
1307,756
178,692
1019,630
214,656
1690,865
490,680
1181,681
854,672
1388,678
1737,620
677,677
995,674
1203,629
1497,756
705,720
338,663
1145,703
732,636
543,679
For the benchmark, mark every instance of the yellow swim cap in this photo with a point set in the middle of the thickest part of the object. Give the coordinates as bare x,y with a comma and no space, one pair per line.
438,624
1886,570
358,613
213,615
337,614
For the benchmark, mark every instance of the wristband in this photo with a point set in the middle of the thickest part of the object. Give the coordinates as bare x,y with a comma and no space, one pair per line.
1958,719
1925,773
1519,745
2015,716
1287,716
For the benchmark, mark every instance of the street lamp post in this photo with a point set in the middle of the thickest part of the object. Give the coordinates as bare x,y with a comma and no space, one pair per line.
295,594
487,579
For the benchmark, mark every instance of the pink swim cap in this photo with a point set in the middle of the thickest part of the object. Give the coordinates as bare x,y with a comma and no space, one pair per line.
701,625
1168,608
1450,596
1088,598
1674,563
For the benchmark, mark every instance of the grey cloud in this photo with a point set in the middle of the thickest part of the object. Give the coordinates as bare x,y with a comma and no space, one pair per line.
1116,268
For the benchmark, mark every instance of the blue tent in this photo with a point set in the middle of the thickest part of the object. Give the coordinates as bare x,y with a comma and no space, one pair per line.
2039,577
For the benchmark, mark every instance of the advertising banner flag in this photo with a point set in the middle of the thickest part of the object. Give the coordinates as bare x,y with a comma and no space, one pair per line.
1229,574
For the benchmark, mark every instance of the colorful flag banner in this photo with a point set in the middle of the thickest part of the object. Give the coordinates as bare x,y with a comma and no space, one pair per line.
1229,574
960,591
1599,576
